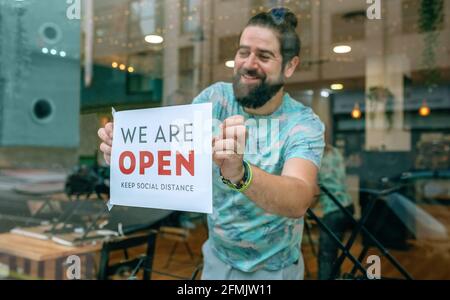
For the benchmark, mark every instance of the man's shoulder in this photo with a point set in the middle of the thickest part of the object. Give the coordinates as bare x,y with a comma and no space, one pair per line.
299,113
215,92
294,107
221,86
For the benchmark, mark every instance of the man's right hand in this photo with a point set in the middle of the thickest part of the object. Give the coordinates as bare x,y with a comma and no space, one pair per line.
106,135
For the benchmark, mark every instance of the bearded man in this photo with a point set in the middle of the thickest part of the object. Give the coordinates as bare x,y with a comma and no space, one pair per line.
264,179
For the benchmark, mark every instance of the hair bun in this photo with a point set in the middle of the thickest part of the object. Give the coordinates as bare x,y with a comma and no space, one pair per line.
284,15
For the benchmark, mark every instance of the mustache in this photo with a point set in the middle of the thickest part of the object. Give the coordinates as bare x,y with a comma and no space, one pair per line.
252,73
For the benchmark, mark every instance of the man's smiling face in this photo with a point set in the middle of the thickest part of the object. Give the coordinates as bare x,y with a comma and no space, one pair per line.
258,72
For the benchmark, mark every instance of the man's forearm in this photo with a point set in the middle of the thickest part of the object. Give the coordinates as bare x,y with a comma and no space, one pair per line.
281,195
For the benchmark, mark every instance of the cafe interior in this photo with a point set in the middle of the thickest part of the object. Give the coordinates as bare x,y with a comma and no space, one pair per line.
377,74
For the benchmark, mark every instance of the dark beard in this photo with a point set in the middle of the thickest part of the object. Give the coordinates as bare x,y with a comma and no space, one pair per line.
256,95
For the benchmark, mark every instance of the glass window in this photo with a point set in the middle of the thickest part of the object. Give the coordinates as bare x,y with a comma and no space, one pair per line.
189,15
378,77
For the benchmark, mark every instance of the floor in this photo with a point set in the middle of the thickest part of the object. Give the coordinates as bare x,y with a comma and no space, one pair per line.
425,259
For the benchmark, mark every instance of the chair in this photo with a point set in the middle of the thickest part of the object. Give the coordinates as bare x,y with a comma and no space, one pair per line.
128,266
359,227
179,235
197,271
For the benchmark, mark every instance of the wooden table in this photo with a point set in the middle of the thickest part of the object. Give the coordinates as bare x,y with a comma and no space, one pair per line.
38,256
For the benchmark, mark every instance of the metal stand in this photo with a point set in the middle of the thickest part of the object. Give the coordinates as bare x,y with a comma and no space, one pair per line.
359,227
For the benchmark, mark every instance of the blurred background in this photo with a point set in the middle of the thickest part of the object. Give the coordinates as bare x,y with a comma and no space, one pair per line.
378,77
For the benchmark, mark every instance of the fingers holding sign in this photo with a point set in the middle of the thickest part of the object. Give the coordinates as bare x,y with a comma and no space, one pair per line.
229,146
232,136
106,135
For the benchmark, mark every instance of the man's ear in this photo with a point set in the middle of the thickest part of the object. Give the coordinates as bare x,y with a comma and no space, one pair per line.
290,67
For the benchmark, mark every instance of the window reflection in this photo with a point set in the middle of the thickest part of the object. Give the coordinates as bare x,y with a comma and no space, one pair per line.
381,87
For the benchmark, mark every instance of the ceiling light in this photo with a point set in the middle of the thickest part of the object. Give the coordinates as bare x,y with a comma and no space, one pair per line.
356,112
230,64
342,49
130,69
114,65
325,94
53,52
62,54
122,67
154,39
424,110
44,50
337,86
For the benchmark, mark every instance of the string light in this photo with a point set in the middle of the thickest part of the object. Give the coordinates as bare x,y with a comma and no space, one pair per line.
104,121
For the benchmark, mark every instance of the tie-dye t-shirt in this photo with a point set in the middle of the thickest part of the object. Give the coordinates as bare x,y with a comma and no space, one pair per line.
243,235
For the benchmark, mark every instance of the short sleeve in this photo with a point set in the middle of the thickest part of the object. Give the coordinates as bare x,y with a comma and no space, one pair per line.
306,140
212,94
204,96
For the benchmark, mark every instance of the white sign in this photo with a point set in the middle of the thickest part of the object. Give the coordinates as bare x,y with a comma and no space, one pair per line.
162,158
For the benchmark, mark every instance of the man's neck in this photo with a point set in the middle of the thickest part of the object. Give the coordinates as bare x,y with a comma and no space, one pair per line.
270,107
